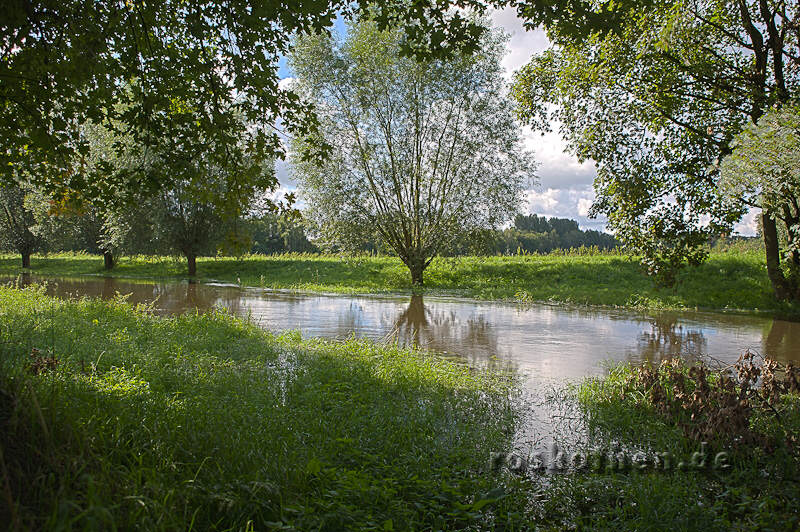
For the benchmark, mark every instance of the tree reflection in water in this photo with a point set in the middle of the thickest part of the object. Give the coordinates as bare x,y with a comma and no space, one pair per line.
783,338
667,339
472,339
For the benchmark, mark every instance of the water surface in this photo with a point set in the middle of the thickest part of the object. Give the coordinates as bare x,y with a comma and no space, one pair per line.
545,342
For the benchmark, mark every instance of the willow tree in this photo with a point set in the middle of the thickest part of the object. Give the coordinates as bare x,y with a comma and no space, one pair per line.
423,152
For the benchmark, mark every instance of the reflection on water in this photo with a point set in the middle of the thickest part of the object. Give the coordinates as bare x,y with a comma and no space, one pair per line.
545,342
668,338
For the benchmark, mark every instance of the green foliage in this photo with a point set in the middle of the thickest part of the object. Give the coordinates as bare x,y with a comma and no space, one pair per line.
208,422
277,233
534,234
758,491
423,152
178,77
654,93
764,170
18,219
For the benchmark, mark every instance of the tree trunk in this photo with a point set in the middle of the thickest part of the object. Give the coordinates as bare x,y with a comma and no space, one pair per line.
192,260
108,260
416,267
26,259
776,277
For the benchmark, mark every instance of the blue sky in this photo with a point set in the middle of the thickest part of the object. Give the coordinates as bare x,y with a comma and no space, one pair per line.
565,185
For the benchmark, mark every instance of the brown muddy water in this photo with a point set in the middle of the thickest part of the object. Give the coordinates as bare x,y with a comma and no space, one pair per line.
544,342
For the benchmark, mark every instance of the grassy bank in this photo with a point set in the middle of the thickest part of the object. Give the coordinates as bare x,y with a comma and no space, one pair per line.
111,418
755,487
728,280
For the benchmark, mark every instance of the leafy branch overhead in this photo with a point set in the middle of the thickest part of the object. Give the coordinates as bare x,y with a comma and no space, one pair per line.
178,76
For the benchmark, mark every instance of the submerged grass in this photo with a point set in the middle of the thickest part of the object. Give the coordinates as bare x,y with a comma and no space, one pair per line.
730,280
206,422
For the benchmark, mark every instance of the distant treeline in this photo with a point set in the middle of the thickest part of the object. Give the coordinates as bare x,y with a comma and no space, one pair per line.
539,234
529,234
275,233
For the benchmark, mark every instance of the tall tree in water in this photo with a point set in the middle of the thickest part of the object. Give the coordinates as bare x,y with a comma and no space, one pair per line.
422,152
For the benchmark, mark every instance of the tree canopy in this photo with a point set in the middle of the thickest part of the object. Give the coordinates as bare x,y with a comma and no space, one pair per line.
177,76
654,92
423,151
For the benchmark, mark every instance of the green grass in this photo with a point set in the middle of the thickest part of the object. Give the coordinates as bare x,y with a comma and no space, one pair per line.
758,493
732,280
206,422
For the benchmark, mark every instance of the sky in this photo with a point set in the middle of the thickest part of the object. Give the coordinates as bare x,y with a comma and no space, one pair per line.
564,187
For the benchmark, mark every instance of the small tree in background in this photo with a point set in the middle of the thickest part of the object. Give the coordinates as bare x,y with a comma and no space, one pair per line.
18,220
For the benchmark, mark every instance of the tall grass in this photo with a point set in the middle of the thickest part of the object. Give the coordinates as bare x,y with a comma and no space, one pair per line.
758,492
206,422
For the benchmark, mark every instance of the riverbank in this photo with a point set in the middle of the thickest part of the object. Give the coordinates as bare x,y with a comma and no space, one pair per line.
652,470
729,281
115,419
112,418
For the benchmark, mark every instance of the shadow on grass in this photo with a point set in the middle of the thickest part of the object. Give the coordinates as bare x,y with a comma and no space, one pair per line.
206,421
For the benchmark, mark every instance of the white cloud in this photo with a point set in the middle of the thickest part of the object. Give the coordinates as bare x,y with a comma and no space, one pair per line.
566,182
542,202
564,203
584,204
283,173
285,83
523,43
748,226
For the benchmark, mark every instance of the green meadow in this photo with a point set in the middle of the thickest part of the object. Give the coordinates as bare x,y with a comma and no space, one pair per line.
729,280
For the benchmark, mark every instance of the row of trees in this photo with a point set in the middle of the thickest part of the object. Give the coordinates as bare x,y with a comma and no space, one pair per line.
31,221
658,93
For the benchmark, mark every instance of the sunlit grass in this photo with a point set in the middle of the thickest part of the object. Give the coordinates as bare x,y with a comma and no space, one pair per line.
732,280
207,422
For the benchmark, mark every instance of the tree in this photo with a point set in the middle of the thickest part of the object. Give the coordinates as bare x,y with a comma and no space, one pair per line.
175,75
763,170
422,152
194,215
18,221
654,92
